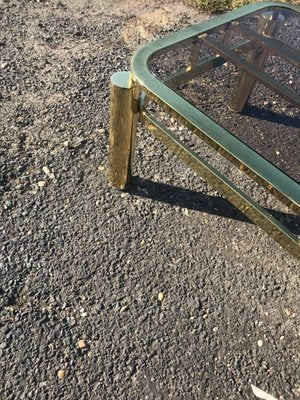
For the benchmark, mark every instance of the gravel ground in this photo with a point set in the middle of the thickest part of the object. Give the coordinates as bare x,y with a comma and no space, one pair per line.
165,291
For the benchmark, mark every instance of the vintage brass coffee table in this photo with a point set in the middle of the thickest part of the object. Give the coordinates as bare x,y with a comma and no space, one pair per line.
245,39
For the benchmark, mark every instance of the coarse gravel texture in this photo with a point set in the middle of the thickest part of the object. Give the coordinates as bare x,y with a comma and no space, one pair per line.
164,291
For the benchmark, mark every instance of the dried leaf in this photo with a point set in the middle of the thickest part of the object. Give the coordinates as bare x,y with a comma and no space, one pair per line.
261,394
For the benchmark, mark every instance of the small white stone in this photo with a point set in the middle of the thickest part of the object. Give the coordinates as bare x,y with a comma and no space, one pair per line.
81,344
160,296
215,329
61,374
47,172
42,184
260,343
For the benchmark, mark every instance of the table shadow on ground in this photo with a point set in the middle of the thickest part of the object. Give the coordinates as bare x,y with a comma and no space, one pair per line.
268,115
197,201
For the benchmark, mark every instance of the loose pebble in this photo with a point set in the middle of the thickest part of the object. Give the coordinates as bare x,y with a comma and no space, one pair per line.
124,308
61,374
7,204
160,296
82,344
215,329
260,343
101,168
42,184
47,172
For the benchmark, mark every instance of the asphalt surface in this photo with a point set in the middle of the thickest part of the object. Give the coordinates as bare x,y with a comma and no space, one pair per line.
165,291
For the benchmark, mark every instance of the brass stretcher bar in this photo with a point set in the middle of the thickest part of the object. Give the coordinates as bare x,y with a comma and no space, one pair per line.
273,45
202,67
260,76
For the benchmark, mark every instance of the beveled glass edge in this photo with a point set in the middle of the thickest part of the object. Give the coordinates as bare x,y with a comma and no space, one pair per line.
225,139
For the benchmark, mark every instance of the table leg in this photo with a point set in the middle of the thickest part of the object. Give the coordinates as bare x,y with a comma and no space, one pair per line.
124,109
270,24
195,53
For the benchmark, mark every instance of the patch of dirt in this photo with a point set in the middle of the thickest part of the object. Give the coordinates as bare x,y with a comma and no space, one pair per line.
143,18
149,19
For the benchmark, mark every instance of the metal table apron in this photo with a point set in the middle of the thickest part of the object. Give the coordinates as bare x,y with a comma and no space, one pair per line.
130,92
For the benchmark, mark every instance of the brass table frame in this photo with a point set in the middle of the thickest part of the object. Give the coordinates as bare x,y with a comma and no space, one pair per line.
130,92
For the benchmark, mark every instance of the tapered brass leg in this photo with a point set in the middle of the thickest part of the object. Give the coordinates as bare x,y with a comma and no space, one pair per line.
269,25
124,108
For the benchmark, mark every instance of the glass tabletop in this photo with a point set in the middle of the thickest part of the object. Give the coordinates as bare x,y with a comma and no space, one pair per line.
211,71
